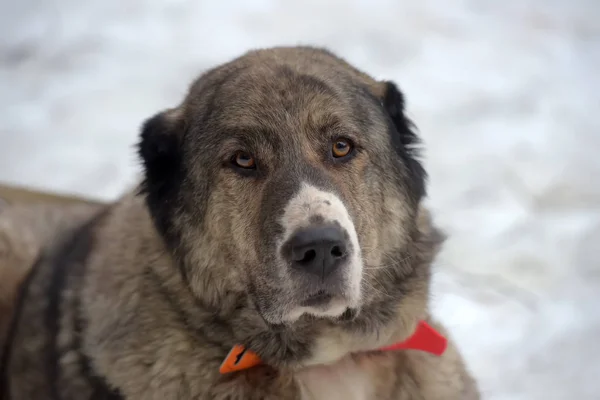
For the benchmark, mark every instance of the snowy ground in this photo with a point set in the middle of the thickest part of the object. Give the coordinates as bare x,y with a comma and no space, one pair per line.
505,94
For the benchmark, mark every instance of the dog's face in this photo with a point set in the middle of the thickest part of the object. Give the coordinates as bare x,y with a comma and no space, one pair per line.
288,176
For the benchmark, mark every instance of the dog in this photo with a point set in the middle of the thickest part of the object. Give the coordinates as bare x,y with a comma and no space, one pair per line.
281,210
29,221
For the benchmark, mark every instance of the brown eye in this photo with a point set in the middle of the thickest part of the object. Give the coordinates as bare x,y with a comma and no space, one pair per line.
244,160
341,148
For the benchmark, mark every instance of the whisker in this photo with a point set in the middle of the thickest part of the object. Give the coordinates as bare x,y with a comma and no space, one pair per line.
370,286
393,262
382,291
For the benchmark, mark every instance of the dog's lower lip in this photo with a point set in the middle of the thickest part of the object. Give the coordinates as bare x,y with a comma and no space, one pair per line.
317,299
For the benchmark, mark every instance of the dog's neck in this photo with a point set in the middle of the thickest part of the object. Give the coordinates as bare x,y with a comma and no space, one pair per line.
424,338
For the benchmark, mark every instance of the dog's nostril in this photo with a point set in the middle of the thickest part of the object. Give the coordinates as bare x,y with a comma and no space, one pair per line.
309,256
337,252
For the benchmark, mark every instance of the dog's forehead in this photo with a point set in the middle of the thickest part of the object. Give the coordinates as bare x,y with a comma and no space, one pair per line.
282,98
272,91
269,101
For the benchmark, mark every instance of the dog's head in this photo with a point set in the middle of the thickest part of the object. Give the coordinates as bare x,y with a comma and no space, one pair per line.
290,177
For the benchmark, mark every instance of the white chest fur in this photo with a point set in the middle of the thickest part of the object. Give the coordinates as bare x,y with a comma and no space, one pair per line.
346,380
334,374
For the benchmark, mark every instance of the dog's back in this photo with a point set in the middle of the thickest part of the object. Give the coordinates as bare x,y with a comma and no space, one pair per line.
30,221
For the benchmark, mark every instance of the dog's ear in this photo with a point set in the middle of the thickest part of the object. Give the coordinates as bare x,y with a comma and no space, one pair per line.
404,136
161,154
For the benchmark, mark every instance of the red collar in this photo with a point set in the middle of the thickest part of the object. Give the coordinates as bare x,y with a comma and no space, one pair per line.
425,339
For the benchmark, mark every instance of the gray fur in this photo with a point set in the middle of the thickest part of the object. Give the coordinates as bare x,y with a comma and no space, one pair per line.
147,298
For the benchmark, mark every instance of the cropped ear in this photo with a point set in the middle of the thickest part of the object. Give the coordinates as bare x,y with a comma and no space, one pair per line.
404,137
161,154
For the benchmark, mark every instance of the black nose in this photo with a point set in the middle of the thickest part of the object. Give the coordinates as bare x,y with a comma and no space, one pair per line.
318,250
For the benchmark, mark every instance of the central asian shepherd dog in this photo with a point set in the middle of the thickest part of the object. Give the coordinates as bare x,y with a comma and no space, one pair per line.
281,209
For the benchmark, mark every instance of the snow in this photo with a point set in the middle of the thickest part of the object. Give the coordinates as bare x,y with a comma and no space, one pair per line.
505,94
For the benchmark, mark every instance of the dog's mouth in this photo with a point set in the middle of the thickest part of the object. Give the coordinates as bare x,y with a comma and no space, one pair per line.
320,298
322,303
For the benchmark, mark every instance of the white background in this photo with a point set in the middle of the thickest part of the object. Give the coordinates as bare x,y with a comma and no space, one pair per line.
505,93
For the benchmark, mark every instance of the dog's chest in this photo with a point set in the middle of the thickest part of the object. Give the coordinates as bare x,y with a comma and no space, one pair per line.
349,379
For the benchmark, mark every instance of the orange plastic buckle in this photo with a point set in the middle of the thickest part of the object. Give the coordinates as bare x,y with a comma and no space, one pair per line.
238,359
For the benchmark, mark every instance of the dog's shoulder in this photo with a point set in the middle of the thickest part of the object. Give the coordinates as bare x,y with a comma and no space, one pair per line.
443,377
26,228
41,345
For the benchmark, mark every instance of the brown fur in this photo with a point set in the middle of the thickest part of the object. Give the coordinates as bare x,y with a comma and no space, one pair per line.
29,221
146,299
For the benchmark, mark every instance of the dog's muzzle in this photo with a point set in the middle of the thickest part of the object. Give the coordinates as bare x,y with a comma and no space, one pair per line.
320,253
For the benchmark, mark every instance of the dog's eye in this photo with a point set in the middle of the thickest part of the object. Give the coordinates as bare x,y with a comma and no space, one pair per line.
341,148
243,160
